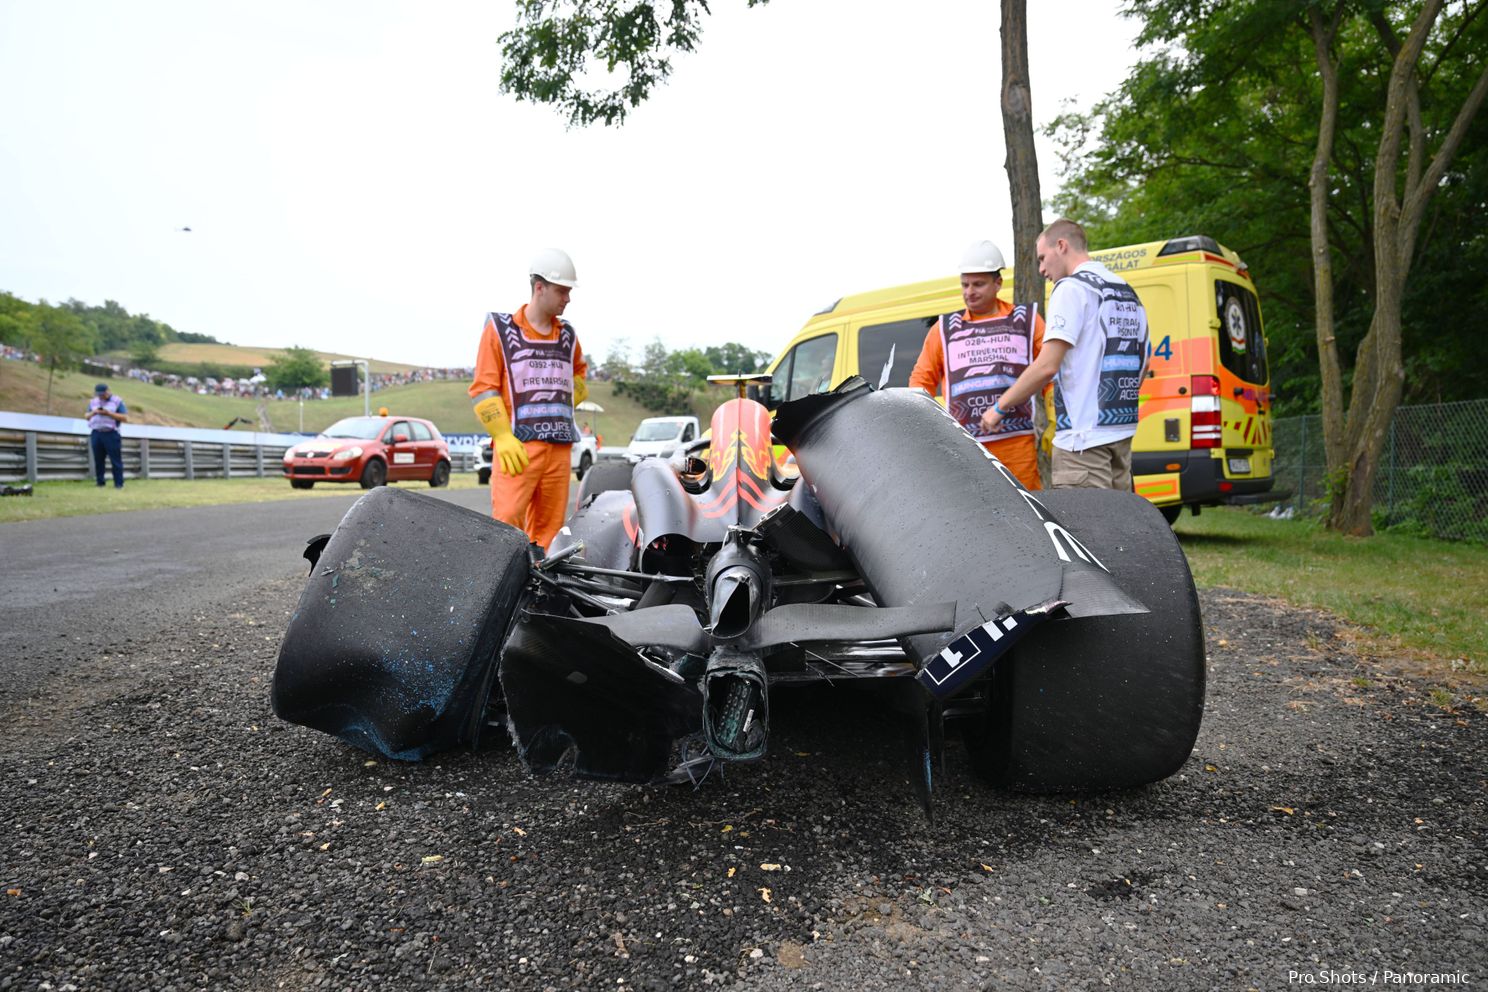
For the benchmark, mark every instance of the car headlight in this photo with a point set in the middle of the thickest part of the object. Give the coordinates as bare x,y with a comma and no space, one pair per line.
669,452
346,454
289,455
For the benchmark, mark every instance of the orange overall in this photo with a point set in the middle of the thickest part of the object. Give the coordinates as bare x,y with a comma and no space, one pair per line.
536,500
1017,453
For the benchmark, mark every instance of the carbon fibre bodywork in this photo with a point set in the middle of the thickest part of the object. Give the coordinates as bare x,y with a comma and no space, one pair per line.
888,547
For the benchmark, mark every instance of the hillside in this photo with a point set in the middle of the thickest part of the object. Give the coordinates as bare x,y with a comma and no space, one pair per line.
257,357
244,356
23,390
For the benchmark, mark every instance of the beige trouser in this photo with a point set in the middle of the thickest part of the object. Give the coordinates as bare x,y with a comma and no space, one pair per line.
1107,466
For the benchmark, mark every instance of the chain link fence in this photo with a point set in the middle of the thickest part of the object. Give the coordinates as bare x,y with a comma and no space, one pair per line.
1433,475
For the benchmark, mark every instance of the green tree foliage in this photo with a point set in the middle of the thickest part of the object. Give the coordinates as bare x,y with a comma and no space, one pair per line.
667,380
616,364
736,358
144,353
1214,134
689,367
297,367
116,329
557,44
15,317
60,338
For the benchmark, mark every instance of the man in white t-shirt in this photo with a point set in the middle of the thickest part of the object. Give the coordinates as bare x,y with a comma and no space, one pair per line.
1095,350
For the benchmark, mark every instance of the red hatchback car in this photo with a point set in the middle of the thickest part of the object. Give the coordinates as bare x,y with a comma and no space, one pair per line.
371,451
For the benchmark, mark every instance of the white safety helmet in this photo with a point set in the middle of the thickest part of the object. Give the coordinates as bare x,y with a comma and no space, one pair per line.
983,256
554,266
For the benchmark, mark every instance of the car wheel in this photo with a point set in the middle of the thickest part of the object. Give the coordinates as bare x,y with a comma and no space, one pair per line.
585,463
376,600
1170,513
1102,702
604,478
302,483
374,475
483,475
441,475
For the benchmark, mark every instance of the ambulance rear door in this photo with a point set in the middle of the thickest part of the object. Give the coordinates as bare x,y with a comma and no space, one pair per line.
1174,349
1244,379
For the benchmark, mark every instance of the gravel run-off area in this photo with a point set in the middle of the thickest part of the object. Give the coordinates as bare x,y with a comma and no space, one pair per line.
163,830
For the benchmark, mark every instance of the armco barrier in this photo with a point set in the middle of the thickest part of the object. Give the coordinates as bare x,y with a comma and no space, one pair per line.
34,448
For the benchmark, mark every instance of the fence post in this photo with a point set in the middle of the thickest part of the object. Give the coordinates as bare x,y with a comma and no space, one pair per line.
1302,470
227,461
144,458
258,458
31,456
1390,490
190,462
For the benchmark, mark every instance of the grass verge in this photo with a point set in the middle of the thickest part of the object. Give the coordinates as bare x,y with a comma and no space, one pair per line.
1415,597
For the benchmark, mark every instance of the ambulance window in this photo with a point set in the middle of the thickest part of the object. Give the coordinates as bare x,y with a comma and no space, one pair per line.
904,338
1242,346
811,365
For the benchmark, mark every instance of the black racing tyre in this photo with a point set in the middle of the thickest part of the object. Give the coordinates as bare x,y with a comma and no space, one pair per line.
603,478
441,474
1102,702
585,463
302,483
374,474
483,475
394,649
1170,513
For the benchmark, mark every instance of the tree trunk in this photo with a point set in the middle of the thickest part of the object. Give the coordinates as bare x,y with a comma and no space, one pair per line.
1322,259
1023,181
1022,159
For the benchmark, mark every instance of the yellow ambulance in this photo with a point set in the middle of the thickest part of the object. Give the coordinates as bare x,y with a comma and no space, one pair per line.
1204,433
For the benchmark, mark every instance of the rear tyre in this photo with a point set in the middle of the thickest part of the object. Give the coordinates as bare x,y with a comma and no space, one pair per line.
1170,513
393,649
585,463
1102,702
441,475
604,478
374,475
302,483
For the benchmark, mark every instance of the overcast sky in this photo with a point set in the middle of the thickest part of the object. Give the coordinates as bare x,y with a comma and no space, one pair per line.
354,181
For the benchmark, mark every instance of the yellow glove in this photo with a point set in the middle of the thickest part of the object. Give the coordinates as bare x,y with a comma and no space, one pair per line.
508,452
581,390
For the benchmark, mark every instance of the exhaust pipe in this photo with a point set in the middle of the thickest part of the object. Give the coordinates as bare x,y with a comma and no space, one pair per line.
738,587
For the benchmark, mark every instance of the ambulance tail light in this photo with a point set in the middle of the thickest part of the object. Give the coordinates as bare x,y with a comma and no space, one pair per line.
1205,423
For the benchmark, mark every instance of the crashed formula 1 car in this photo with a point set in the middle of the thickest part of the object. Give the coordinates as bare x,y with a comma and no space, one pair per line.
1058,631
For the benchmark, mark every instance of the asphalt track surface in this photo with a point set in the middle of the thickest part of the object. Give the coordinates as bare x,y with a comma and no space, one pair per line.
160,829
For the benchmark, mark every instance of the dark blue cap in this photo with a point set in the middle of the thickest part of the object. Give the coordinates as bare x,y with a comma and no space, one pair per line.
101,388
